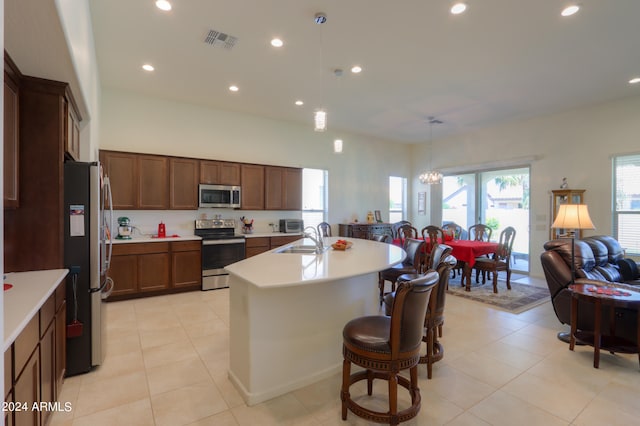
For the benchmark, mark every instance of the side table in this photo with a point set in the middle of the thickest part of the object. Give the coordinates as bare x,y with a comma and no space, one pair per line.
599,295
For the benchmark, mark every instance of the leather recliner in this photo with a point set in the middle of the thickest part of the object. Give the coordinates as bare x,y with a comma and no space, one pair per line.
593,265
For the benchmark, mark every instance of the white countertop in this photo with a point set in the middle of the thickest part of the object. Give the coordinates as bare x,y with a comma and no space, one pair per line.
271,269
150,239
21,302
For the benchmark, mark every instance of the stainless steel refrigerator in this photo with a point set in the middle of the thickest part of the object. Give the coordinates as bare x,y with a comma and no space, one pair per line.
87,254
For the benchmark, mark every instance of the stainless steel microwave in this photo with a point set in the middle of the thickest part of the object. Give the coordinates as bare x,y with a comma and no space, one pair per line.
221,196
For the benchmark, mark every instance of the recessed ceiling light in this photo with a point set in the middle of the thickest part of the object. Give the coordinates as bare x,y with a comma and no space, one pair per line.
163,5
233,88
299,103
570,10
458,8
356,69
634,80
148,67
276,42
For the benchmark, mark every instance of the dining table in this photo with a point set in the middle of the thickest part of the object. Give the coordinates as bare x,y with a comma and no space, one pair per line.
467,251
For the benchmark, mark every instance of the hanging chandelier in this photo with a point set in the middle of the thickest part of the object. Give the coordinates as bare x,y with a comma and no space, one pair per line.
430,176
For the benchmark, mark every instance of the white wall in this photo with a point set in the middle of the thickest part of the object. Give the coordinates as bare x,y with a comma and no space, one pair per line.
358,178
576,144
75,19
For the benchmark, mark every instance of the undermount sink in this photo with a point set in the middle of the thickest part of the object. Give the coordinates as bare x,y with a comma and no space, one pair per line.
300,249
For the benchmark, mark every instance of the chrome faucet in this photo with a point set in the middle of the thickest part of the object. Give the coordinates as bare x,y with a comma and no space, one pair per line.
317,239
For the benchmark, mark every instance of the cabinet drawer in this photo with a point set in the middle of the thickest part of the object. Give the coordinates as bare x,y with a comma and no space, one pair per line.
140,248
8,371
257,242
47,312
186,245
25,344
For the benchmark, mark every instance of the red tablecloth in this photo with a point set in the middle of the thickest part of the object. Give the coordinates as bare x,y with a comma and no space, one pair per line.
468,250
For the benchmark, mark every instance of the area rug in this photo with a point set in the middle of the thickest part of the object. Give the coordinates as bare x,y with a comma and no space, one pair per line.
520,298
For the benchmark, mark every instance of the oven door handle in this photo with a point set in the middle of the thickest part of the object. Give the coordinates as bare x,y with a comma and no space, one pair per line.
220,242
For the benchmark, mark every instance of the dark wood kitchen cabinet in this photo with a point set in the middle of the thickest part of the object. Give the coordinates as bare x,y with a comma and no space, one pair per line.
283,188
184,174
72,131
43,105
138,181
34,364
186,264
153,179
252,181
144,269
219,173
11,134
122,170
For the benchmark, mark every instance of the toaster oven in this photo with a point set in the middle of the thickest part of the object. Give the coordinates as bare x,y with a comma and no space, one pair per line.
291,225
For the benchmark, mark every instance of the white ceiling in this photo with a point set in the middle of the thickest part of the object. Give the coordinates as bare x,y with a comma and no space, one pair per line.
501,60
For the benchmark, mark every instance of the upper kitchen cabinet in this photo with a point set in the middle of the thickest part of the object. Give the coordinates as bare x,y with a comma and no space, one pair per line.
138,181
252,181
72,129
42,149
11,134
122,170
152,182
283,188
219,173
184,174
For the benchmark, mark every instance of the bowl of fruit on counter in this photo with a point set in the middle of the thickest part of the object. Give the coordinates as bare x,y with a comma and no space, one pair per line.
341,245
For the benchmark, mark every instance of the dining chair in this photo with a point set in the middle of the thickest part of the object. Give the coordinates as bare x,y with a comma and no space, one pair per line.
412,264
432,236
324,229
457,231
396,226
382,238
434,318
480,232
383,346
500,260
407,231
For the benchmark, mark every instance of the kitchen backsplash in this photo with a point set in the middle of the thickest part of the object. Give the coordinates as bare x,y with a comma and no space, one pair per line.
181,222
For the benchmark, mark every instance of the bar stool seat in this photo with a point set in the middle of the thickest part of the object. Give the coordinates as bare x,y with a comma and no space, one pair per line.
384,346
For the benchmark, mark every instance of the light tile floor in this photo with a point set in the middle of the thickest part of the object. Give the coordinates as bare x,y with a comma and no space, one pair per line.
167,365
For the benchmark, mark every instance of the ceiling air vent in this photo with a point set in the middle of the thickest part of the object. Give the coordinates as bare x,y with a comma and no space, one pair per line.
216,38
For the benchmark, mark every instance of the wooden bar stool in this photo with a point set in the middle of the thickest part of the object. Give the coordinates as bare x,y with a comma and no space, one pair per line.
384,346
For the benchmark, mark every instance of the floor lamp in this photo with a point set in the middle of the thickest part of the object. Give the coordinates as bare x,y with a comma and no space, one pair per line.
571,217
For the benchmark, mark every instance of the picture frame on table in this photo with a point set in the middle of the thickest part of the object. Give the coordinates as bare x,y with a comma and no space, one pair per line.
378,216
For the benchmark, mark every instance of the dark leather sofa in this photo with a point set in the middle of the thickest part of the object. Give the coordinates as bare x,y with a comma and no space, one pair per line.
597,262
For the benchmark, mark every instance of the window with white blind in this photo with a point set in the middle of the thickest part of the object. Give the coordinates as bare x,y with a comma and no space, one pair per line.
626,202
314,196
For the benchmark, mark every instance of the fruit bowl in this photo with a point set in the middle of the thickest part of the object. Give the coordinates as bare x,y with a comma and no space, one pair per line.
341,245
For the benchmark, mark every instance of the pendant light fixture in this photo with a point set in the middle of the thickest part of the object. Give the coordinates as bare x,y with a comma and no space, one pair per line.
320,115
430,176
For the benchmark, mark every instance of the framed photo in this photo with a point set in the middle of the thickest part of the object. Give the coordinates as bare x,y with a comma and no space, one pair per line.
378,216
422,203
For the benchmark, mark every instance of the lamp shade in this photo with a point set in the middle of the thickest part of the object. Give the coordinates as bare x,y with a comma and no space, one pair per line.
573,216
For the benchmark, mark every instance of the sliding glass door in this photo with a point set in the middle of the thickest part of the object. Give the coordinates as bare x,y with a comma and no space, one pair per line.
498,198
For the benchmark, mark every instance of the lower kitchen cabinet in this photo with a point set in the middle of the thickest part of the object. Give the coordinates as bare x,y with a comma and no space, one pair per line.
34,364
186,264
140,269
257,245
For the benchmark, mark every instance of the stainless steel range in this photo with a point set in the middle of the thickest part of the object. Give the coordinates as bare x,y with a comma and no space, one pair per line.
221,246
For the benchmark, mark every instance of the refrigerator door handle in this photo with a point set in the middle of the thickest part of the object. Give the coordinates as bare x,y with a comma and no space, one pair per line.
107,185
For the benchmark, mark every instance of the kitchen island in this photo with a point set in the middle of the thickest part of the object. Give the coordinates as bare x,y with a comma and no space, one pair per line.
287,311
